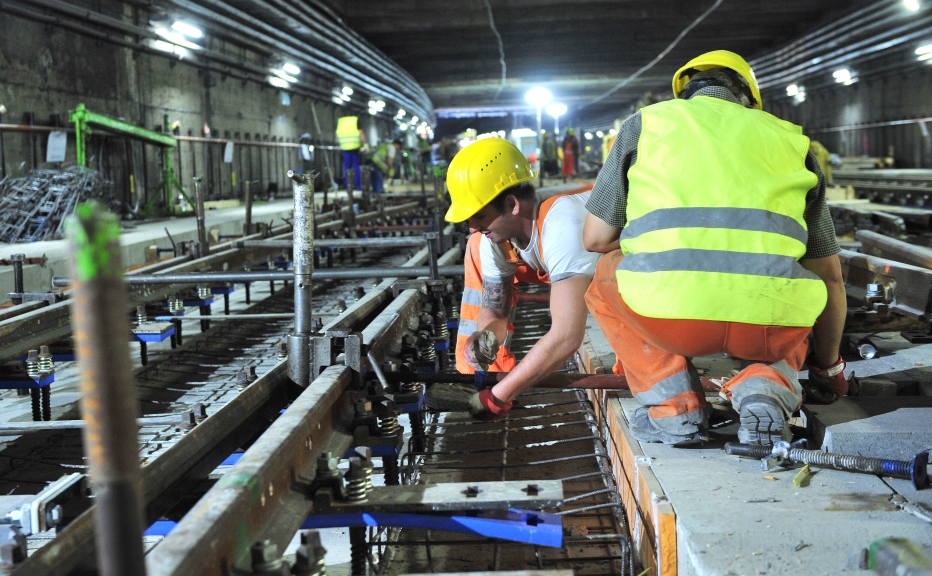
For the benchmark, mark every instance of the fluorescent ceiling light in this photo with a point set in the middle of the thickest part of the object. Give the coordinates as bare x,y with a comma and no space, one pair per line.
169,47
188,30
842,76
912,5
345,97
347,91
588,135
176,38
284,76
522,133
278,82
401,113
403,126
290,68
538,96
792,90
556,109
337,100
599,134
924,49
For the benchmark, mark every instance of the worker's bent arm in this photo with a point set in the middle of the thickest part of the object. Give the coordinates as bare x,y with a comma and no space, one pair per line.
831,323
598,236
568,315
496,306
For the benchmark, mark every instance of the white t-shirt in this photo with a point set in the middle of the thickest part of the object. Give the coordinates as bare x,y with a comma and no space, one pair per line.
564,254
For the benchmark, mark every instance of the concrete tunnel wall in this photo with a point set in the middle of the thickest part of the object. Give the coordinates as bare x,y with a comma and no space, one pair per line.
47,70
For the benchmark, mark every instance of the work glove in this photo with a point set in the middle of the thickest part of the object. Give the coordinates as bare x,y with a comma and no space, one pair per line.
828,385
485,406
391,173
481,349
364,149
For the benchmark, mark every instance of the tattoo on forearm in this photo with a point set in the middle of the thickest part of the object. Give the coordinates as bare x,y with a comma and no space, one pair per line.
495,297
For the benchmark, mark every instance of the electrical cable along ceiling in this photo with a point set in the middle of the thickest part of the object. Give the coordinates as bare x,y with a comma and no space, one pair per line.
304,35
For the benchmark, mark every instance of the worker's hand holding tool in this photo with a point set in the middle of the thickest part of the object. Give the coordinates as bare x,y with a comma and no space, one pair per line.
485,406
827,385
481,349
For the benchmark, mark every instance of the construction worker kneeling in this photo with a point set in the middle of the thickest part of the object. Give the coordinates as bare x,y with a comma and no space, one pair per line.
518,234
717,238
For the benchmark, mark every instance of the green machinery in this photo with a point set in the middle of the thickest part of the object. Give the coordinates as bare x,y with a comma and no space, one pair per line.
84,118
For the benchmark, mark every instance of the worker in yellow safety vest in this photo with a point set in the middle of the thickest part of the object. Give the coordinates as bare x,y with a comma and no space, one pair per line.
717,236
518,233
382,161
351,139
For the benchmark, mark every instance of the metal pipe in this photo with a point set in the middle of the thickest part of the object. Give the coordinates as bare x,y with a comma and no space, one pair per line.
560,380
299,352
273,316
203,248
247,226
240,277
108,393
403,242
431,238
19,285
408,228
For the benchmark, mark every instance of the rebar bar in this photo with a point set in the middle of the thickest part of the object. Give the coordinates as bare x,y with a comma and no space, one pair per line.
108,393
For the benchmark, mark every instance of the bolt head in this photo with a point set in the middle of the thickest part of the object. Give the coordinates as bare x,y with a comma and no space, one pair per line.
54,516
17,257
264,552
363,406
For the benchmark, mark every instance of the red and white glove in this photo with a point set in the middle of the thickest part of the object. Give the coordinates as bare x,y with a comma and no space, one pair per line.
485,406
828,385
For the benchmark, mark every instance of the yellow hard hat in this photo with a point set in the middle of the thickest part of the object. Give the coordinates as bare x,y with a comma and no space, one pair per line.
479,173
570,132
717,59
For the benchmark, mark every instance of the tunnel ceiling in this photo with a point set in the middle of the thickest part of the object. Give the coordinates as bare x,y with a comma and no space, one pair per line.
578,49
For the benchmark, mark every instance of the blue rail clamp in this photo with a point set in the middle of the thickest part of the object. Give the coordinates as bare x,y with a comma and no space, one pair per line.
16,381
221,290
199,302
153,332
492,509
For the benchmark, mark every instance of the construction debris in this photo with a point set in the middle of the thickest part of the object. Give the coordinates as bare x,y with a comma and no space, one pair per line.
33,208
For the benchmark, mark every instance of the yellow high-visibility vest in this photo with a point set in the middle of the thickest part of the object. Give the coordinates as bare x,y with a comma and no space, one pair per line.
348,133
715,226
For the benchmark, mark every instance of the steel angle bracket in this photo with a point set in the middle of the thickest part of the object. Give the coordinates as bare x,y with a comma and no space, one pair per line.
514,525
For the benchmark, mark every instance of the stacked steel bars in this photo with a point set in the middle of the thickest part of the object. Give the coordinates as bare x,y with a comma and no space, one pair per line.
33,208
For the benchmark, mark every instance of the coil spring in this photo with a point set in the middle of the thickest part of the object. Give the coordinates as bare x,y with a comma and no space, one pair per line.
203,293
389,425
369,476
45,360
141,316
356,489
32,363
425,346
409,387
852,462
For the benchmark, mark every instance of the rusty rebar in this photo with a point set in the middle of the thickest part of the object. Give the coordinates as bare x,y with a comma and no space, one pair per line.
108,394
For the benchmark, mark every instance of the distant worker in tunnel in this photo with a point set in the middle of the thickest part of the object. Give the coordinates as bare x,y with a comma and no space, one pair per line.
570,154
717,238
519,234
383,164
351,139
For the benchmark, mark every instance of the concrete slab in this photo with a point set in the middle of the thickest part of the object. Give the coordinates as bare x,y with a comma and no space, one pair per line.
734,519
879,426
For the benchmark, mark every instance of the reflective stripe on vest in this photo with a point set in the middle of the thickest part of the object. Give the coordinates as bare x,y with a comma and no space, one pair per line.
715,217
348,133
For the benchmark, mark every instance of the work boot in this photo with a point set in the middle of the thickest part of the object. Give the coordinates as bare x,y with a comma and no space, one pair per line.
644,429
763,421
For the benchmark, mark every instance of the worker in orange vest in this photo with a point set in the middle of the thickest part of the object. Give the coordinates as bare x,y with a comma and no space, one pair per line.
518,233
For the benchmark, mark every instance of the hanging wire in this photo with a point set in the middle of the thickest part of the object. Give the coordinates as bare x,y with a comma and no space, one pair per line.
501,47
659,57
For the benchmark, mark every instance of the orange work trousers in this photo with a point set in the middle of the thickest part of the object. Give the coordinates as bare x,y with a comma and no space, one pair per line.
472,302
655,354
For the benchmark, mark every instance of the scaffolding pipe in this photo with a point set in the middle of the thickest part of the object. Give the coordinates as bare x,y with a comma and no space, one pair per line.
108,393
403,242
243,277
